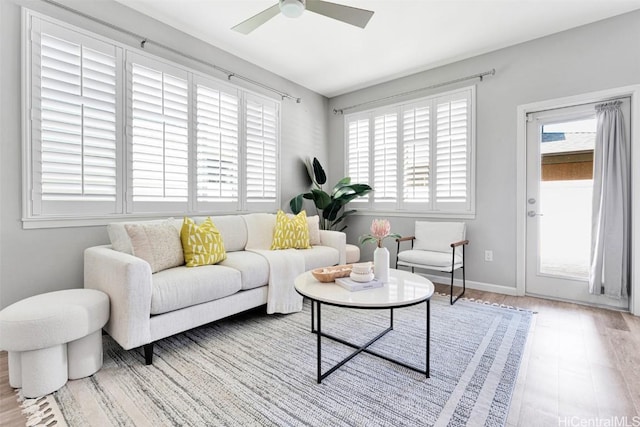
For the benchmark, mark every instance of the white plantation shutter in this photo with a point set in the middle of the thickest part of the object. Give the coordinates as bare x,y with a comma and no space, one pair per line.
262,138
75,118
385,155
452,144
434,136
159,117
114,132
217,146
358,150
416,166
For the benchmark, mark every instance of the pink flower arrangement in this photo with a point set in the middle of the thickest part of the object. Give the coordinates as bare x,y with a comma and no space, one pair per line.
380,230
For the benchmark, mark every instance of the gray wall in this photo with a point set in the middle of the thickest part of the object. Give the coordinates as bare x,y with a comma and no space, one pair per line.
599,56
36,261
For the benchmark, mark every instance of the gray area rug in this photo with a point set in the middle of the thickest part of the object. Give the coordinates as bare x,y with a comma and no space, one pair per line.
258,369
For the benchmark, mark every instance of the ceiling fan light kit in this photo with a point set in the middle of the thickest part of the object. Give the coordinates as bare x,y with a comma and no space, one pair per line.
295,8
292,8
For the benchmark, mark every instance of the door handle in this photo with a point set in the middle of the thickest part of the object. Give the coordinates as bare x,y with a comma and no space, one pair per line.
531,214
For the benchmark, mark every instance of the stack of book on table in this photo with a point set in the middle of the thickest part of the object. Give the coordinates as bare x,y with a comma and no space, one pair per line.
352,285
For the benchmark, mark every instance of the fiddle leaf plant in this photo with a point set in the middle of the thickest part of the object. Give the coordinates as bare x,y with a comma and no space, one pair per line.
330,206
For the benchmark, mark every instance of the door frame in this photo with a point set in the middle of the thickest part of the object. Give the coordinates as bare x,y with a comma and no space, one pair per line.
521,179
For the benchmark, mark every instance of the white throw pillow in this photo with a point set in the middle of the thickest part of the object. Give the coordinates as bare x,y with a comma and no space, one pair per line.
158,244
314,230
437,236
120,240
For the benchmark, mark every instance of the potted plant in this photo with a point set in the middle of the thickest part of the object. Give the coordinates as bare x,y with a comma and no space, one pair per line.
330,206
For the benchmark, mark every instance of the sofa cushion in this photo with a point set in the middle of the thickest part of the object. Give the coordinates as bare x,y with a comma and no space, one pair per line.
181,287
314,230
319,256
259,230
291,233
202,244
253,268
232,228
158,244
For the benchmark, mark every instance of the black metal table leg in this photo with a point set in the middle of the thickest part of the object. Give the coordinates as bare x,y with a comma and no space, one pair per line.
428,356
365,347
312,322
319,332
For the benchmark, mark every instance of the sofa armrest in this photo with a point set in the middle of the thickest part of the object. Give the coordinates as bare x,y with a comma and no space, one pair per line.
337,240
127,281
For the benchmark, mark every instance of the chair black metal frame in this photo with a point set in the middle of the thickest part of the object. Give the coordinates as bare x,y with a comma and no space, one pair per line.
453,245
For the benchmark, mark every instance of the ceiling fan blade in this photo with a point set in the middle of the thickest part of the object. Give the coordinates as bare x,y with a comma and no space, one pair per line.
245,27
348,14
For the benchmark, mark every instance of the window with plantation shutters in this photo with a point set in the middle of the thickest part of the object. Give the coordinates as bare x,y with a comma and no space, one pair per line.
75,116
159,135
217,145
415,150
115,132
261,151
358,151
452,159
418,156
385,153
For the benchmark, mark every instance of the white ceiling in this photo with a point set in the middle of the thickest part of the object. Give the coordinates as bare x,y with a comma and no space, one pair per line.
403,36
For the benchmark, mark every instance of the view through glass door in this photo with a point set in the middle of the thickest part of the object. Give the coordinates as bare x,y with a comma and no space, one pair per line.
560,146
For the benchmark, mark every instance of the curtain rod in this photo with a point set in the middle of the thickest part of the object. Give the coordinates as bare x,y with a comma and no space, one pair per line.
580,104
144,41
462,79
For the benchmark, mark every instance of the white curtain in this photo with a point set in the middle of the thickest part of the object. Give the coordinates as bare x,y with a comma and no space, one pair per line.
610,265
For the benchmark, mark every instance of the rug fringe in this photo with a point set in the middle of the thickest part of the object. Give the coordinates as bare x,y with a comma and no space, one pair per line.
493,304
41,411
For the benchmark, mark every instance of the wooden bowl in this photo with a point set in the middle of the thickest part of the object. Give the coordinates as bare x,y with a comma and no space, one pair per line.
330,274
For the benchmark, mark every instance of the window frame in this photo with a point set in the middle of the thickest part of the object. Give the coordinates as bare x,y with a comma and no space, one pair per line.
369,206
81,216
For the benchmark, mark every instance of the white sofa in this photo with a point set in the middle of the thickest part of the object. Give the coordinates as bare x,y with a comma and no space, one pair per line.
147,307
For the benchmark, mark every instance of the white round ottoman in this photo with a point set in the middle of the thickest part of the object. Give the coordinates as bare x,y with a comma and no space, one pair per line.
53,337
353,254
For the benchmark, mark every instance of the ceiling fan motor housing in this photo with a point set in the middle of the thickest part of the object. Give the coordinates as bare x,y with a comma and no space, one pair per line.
292,8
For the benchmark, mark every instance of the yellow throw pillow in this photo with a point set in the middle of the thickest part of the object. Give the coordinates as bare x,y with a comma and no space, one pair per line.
291,233
202,244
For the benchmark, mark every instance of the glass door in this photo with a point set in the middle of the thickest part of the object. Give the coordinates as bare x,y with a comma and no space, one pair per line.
560,146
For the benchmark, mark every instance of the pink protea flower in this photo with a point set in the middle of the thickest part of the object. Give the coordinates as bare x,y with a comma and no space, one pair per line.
380,230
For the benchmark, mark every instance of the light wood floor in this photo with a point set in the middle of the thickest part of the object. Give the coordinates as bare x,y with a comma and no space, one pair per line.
582,367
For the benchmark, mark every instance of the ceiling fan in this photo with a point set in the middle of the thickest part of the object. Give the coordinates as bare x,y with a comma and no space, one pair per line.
294,8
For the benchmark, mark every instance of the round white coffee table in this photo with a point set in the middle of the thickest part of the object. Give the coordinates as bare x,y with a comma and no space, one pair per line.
404,289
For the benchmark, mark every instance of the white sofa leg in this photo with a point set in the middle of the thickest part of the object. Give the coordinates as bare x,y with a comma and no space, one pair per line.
43,371
85,355
15,369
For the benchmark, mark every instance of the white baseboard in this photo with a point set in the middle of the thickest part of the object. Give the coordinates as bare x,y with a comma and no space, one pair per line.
479,286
